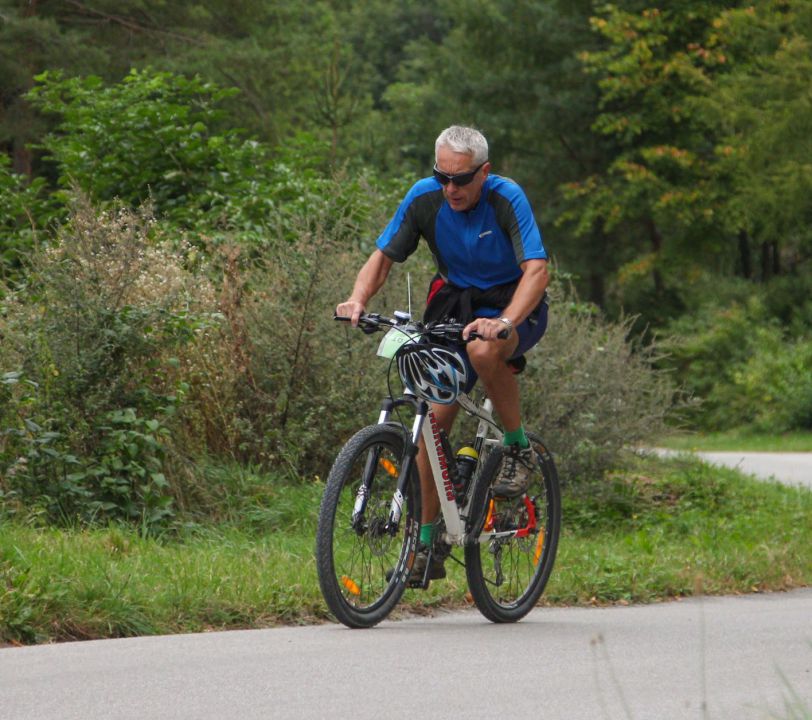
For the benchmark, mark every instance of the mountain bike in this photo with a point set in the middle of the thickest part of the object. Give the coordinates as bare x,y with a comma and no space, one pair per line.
369,517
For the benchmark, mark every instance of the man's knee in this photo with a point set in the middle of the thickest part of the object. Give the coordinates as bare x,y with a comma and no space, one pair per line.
486,355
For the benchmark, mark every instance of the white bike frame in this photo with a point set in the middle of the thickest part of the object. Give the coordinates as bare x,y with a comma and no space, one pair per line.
488,432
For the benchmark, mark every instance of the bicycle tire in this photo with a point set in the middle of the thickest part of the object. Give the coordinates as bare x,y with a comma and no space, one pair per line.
363,570
507,576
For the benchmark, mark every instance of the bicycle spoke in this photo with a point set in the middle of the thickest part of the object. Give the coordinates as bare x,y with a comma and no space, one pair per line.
507,571
356,560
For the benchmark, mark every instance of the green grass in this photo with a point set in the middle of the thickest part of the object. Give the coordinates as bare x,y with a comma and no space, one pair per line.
740,440
697,529
111,583
659,530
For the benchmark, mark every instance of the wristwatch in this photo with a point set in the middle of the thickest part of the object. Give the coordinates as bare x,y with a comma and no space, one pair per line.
508,324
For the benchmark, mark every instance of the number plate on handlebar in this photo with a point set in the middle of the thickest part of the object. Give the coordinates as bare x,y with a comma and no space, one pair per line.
395,339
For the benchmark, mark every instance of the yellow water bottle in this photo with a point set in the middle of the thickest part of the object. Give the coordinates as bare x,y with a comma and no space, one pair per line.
467,459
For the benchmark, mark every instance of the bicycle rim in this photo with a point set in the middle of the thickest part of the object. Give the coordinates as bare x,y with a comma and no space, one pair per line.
362,564
507,573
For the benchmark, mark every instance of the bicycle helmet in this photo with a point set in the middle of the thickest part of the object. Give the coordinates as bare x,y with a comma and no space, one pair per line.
432,372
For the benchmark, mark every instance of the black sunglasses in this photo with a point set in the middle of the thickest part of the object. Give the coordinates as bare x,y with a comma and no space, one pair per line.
458,180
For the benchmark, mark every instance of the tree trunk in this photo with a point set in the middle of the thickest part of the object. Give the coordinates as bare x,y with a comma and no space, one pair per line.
767,261
597,289
596,257
21,159
657,246
745,255
20,154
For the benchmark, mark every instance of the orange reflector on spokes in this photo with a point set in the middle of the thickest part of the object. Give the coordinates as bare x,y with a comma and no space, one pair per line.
539,546
351,585
389,466
489,517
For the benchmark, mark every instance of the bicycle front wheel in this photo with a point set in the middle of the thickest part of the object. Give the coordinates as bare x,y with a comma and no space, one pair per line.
363,561
508,568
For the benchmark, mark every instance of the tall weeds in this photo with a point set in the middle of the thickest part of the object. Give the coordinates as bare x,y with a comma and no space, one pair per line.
90,368
131,360
591,389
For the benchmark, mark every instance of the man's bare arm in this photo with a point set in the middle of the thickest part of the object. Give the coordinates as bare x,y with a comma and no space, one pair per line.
529,292
370,279
527,295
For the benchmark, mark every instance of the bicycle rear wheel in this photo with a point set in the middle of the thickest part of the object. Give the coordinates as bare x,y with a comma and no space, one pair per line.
362,562
507,572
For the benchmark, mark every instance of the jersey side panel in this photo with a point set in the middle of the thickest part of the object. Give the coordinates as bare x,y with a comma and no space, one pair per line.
515,216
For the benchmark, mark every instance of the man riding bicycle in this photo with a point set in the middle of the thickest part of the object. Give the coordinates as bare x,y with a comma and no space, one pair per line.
491,274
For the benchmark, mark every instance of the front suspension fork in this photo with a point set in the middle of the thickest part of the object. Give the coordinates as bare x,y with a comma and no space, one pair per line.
398,498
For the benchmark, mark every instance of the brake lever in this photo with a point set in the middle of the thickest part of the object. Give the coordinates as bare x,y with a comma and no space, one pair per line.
447,333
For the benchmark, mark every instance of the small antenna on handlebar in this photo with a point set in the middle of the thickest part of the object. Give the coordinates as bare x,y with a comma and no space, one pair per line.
409,292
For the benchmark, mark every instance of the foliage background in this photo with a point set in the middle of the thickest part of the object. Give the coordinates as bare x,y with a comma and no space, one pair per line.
187,189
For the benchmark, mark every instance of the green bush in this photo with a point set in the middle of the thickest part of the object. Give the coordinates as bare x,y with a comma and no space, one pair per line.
162,138
283,384
153,136
588,388
25,211
592,391
90,369
130,364
744,365
773,389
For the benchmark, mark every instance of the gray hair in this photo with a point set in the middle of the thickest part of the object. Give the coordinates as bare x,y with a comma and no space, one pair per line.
463,139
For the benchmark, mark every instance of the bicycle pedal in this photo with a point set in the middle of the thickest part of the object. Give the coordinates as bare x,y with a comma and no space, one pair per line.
418,584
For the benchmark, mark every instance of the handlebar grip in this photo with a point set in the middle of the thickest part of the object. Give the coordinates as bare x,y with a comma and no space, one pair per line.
502,334
368,324
474,335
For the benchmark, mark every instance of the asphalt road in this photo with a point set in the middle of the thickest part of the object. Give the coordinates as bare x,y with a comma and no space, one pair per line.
787,468
738,658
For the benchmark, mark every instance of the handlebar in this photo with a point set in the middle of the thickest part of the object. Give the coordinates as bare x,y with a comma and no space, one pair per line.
374,322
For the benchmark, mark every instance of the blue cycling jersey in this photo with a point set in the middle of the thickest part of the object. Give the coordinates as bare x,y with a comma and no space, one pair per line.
481,247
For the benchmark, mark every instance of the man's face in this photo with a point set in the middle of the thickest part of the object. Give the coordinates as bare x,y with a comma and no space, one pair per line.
463,197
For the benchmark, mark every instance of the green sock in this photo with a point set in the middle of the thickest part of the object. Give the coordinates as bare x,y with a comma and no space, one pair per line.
426,533
516,437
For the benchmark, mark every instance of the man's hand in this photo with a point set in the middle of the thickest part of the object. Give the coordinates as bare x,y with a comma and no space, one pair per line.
351,309
487,328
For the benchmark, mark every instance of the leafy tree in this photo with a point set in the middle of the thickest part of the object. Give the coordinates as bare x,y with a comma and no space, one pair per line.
658,189
512,70
702,106
281,55
145,131
764,115
158,137
30,43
